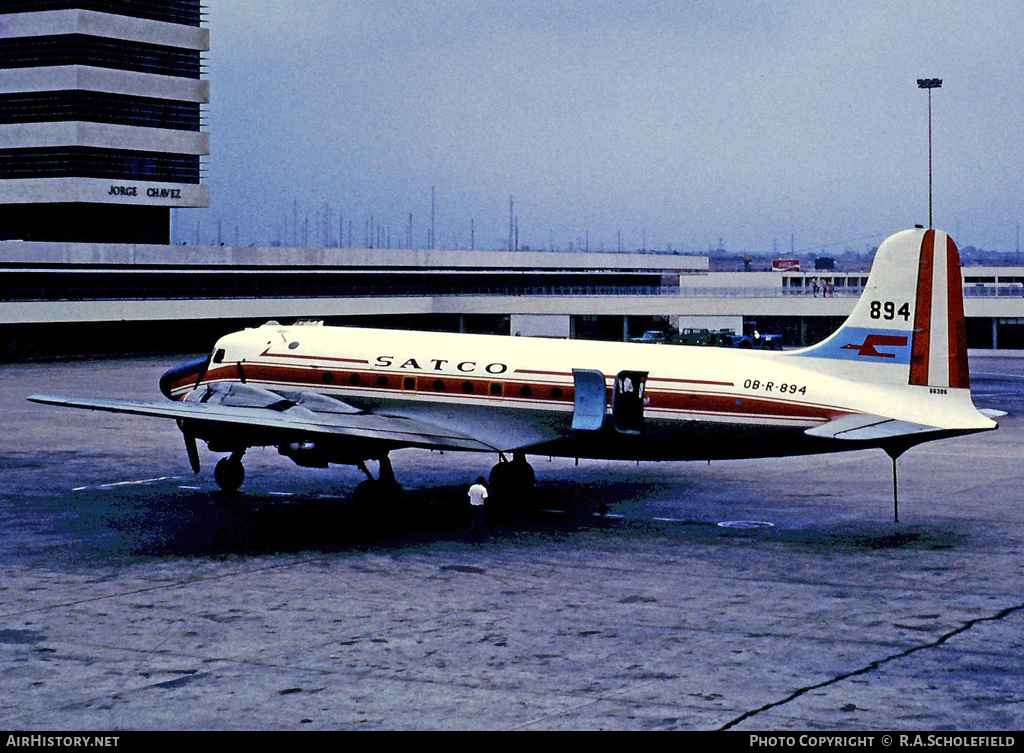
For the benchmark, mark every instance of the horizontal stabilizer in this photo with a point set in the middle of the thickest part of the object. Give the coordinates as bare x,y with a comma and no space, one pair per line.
992,413
287,418
862,428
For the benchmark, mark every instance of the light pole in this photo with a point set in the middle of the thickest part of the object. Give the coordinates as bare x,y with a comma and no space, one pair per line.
929,84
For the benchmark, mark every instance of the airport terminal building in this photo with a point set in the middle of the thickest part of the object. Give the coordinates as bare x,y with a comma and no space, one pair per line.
100,118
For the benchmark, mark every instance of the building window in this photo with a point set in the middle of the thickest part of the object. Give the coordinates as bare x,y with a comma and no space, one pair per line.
186,12
85,162
82,49
98,107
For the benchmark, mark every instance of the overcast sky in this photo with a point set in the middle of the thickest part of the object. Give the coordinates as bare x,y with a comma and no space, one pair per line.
768,125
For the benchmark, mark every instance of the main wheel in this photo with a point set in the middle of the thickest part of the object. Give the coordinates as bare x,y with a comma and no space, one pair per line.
229,474
377,492
512,481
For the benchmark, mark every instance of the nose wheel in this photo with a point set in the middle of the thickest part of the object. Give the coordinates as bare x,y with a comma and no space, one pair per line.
229,473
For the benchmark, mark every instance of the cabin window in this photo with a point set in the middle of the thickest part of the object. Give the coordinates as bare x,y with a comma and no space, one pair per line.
382,381
526,390
557,393
438,385
327,377
355,379
496,389
467,387
409,383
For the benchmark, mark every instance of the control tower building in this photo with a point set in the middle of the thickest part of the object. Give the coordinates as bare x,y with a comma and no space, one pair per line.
100,118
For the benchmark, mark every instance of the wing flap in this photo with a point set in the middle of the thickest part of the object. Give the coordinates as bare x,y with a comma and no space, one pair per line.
345,421
237,395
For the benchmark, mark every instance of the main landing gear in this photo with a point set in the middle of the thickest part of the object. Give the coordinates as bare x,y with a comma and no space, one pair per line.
511,481
381,490
229,473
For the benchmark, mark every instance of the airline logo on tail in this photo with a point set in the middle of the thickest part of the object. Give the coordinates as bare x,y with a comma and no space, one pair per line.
873,342
863,344
939,350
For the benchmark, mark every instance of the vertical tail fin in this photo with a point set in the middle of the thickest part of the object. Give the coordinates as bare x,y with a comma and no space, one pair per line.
908,325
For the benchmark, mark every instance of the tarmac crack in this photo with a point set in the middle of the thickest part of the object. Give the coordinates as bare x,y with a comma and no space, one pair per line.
1003,613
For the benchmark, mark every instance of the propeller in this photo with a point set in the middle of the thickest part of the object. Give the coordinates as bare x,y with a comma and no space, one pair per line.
192,448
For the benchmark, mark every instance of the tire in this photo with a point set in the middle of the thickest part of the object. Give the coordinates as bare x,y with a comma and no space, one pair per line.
229,475
376,492
511,482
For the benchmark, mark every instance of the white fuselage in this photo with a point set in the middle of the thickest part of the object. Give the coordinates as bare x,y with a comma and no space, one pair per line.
519,394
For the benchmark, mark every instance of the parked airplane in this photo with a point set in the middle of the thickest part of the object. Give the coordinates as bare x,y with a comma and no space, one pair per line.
895,374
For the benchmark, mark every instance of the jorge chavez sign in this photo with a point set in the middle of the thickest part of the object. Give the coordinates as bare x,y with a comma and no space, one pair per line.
151,192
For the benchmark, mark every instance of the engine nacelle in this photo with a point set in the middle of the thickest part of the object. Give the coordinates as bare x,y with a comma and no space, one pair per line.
306,454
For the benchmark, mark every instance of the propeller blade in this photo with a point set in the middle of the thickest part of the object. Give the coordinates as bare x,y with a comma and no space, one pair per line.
192,448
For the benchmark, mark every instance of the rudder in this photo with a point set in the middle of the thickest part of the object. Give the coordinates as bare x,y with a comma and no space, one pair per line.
939,352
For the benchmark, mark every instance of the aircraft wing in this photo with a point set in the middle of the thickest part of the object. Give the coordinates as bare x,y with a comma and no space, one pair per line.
324,417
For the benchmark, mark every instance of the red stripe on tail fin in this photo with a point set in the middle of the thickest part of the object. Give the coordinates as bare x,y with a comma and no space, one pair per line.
938,355
920,352
959,372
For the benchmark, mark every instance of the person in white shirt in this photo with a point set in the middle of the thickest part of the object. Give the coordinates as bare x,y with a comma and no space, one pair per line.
477,497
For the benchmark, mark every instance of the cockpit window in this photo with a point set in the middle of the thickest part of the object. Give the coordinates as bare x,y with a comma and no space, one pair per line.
218,356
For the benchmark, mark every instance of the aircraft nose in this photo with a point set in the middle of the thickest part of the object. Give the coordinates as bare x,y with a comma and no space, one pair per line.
183,375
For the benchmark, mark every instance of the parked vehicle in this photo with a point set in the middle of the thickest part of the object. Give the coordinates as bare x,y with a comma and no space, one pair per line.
692,336
655,336
752,338
722,338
